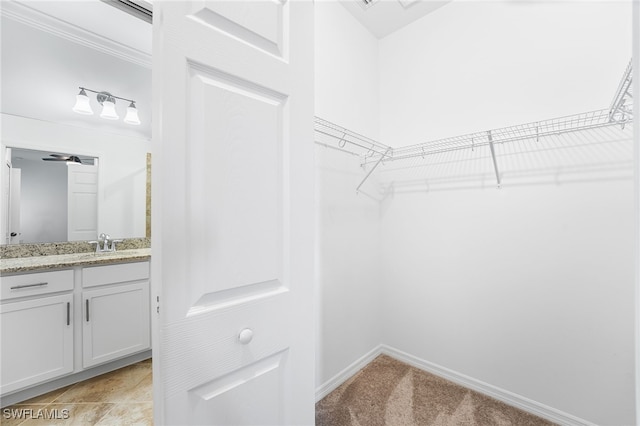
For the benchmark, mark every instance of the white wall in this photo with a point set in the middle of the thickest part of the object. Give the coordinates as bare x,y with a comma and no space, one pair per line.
528,288
43,201
478,65
348,224
346,68
41,73
122,167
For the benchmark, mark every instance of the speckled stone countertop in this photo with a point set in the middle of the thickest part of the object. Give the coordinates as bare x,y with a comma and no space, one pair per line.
58,261
11,251
16,258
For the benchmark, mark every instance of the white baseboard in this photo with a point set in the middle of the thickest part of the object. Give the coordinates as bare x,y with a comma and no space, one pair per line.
331,384
505,396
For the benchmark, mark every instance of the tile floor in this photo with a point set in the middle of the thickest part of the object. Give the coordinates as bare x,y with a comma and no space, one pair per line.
121,397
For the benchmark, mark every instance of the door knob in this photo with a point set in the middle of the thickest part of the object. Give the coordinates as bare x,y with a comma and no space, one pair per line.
245,336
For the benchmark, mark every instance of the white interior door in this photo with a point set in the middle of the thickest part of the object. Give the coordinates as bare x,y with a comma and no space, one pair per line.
82,197
233,209
15,195
11,195
4,211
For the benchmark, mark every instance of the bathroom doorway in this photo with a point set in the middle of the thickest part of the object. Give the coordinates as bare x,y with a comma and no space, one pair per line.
49,51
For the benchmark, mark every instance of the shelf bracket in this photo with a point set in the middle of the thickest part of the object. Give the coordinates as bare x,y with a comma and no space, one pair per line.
373,168
493,156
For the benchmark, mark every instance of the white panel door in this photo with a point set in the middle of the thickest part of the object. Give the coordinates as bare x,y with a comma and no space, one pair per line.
82,209
234,212
15,197
5,160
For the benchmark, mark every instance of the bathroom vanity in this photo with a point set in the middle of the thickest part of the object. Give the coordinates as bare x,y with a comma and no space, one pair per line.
68,317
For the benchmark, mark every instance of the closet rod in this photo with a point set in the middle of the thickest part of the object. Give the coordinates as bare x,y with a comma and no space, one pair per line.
320,122
336,148
343,138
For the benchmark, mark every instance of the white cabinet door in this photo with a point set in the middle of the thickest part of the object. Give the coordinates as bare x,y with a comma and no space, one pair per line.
234,211
115,322
37,341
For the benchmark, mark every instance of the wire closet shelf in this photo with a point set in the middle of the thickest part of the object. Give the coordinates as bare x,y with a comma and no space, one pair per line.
372,153
331,135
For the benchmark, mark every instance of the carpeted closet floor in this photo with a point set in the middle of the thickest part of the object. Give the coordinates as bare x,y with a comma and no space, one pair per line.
392,393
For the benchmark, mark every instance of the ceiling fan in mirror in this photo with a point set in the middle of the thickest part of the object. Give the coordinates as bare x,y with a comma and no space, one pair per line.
68,159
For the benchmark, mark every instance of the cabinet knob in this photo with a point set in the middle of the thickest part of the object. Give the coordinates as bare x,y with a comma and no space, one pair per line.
245,336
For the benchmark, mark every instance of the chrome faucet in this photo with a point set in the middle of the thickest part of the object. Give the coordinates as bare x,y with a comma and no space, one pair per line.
103,240
105,243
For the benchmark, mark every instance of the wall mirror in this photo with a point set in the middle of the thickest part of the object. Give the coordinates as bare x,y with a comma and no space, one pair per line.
51,196
76,49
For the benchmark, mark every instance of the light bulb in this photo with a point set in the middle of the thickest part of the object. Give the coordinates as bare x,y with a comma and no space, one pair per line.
132,115
82,105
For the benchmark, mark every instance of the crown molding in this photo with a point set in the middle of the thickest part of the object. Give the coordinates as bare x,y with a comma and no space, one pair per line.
41,21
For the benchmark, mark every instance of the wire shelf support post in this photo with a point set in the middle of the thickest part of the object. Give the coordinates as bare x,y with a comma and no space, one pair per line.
621,109
493,157
382,157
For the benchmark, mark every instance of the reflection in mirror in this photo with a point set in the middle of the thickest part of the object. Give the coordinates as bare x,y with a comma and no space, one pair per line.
52,196
119,182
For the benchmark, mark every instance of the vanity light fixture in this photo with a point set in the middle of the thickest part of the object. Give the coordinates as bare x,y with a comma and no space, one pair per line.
108,102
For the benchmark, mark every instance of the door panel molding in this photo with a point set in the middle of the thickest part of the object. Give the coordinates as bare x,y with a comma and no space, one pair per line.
260,32
234,296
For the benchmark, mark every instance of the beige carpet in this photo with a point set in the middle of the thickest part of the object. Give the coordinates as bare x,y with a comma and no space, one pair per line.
389,392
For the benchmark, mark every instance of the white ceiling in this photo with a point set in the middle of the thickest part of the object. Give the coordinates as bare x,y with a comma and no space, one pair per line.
49,48
383,17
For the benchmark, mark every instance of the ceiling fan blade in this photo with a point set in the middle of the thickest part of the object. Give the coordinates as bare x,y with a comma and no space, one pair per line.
66,158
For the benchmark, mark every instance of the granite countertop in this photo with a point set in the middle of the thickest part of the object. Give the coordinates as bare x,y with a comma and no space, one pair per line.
58,261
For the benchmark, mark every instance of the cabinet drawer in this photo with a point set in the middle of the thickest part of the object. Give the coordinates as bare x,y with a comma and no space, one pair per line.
36,284
112,274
